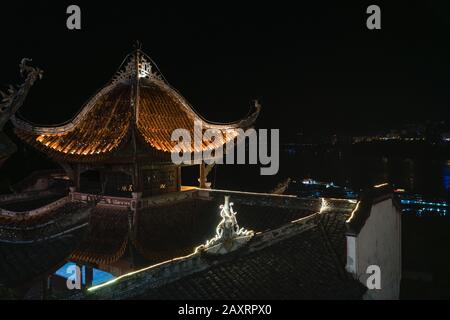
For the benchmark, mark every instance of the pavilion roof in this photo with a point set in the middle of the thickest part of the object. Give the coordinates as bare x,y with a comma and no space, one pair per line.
137,103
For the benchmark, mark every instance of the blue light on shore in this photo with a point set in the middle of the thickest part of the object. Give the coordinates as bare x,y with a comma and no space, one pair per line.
420,202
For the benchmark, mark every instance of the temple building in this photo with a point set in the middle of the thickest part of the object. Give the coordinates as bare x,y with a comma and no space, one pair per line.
124,134
119,209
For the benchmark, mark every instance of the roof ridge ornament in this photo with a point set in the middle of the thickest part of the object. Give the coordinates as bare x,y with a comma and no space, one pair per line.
11,101
137,45
229,237
146,68
132,69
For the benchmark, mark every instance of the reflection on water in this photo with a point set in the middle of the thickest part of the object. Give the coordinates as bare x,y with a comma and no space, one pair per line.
446,176
421,207
409,175
424,176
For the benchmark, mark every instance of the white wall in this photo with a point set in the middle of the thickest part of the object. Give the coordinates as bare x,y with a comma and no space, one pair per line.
378,243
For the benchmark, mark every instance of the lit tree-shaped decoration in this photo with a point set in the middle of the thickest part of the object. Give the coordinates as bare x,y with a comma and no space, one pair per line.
229,236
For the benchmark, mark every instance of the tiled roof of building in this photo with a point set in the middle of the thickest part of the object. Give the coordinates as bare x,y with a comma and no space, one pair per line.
107,238
334,226
21,263
34,242
294,254
301,267
102,129
171,230
136,100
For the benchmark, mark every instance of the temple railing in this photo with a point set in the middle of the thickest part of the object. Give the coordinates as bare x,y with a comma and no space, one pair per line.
250,198
101,199
267,199
277,200
35,212
136,201
167,198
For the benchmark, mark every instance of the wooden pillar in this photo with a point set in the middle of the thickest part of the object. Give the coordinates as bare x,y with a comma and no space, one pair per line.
133,215
132,255
133,220
70,171
102,181
77,177
179,178
137,179
202,175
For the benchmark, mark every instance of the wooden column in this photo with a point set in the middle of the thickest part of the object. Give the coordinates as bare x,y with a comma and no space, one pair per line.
77,177
202,175
133,220
132,255
179,178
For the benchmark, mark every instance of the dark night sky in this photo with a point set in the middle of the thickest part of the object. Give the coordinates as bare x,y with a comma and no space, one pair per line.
312,66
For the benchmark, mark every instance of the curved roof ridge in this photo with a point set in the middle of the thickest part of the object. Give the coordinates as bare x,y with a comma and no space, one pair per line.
123,74
70,124
211,124
66,126
147,65
136,97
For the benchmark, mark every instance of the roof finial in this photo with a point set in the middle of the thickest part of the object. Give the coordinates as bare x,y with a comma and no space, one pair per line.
257,104
137,45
